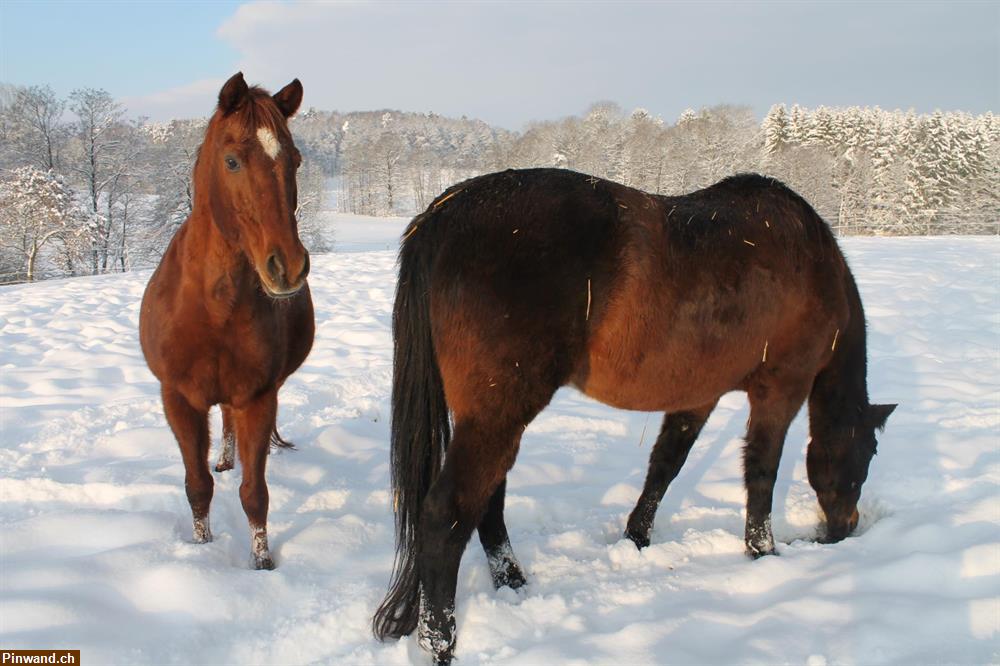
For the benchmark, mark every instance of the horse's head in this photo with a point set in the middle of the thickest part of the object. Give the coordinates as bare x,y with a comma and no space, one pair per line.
837,464
246,170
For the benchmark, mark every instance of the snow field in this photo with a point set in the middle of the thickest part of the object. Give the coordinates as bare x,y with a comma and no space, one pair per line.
95,529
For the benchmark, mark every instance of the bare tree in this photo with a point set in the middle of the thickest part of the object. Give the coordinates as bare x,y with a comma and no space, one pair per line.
386,154
34,133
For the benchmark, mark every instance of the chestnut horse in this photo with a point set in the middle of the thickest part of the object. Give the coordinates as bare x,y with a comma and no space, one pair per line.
516,283
227,315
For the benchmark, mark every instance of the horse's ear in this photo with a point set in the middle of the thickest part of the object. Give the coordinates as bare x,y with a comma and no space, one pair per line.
234,92
877,415
289,98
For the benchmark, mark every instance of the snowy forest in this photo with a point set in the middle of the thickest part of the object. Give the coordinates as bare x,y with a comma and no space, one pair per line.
86,189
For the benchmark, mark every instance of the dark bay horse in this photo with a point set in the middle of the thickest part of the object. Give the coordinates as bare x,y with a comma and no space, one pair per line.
516,283
227,316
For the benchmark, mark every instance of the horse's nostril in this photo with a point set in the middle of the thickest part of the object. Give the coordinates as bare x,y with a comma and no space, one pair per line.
275,268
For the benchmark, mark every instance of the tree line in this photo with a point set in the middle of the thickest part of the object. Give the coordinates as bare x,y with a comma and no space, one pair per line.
865,170
87,190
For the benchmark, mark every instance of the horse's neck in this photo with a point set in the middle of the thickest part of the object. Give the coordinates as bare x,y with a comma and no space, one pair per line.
215,267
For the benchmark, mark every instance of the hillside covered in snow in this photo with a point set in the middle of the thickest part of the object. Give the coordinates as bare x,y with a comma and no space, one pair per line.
95,529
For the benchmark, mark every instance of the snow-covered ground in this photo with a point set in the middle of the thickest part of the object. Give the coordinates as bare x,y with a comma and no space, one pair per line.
95,530
362,233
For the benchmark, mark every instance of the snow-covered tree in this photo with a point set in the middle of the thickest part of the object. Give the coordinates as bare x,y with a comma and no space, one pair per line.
95,162
37,210
645,157
775,129
311,184
170,151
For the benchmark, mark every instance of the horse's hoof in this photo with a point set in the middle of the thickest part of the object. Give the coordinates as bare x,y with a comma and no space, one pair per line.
516,579
443,658
224,466
436,632
511,576
262,563
201,532
640,540
757,552
504,569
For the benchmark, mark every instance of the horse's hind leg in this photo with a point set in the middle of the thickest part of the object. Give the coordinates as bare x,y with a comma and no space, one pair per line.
772,409
227,454
478,458
190,427
253,424
504,567
677,436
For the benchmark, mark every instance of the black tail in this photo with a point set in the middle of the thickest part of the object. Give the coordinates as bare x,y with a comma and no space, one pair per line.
279,442
420,429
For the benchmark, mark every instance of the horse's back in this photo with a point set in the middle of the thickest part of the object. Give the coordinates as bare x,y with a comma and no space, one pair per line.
643,302
730,283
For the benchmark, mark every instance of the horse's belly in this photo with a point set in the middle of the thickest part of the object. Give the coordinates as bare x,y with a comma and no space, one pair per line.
654,384
663,365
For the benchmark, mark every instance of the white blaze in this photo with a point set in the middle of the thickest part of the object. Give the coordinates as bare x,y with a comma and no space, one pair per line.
269,142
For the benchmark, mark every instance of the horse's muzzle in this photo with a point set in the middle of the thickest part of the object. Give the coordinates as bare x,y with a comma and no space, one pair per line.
841,529
275,280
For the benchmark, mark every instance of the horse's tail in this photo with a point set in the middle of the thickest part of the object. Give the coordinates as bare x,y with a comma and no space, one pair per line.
420,429
279,442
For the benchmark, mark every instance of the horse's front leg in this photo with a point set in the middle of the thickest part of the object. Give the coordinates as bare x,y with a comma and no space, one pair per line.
253,423
190,427
772,409
227,455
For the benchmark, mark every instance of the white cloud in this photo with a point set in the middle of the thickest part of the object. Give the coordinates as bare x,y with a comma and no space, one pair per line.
508,63
502,63
193,100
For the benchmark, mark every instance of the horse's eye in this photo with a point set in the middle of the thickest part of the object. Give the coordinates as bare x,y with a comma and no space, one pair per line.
232,164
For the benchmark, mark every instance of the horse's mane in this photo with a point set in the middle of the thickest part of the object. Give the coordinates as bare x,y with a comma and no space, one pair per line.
259,111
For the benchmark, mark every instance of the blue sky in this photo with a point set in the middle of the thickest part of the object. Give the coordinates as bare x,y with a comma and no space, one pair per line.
510,63
128,47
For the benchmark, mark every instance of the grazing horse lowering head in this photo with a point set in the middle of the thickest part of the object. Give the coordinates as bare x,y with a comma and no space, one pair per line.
246,170
837,466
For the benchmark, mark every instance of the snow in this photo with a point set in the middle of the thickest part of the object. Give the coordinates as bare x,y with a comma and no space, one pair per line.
362,233
95,530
